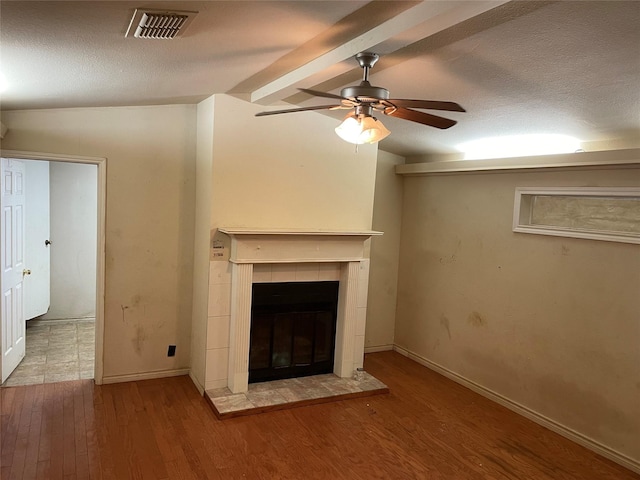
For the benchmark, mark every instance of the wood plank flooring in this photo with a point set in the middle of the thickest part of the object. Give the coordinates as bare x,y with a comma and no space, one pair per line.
428,427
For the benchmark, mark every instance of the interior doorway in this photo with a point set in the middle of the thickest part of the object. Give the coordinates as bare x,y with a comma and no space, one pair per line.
68,337
60,289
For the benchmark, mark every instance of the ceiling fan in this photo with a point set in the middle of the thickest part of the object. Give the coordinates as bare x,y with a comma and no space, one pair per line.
360,126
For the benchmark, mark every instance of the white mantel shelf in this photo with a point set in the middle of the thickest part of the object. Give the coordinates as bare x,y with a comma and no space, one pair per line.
296,246
248,231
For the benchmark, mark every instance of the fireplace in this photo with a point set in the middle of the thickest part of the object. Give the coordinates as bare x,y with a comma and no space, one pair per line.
293,327
242,259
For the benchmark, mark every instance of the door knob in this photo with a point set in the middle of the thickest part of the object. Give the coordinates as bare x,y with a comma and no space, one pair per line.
26,272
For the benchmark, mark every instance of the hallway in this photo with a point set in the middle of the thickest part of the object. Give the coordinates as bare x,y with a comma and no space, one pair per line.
57,351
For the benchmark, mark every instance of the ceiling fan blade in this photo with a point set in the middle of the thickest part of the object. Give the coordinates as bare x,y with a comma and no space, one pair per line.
420,117
302,109
428,104
317,93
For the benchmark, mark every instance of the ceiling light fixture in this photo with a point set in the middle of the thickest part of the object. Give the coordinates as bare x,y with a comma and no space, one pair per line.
519,146
362,127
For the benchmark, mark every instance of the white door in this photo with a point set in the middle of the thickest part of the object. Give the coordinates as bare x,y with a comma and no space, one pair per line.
37,246
13,268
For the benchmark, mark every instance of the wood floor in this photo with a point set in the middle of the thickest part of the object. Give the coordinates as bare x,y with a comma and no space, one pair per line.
427,428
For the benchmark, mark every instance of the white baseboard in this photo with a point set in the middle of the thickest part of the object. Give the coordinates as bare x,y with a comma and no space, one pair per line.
378,348
37,322
213,384
134,377
540,419
196,383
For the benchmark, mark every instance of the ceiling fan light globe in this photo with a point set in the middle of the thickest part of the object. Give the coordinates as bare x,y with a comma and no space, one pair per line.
362,130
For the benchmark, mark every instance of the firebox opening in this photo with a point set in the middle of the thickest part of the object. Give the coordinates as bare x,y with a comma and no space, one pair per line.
293,329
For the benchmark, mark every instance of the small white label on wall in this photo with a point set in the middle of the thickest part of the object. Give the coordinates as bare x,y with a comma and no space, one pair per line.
219,248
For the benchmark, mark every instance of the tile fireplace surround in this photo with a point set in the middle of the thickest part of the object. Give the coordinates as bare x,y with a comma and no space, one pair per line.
282,256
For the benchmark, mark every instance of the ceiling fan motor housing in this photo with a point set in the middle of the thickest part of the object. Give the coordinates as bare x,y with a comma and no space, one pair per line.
365,92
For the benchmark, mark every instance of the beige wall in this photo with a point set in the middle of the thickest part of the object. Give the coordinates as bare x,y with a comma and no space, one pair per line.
385,249
287,171
549,323
150,155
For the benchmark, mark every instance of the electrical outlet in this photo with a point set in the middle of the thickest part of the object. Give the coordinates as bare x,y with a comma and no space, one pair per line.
172,351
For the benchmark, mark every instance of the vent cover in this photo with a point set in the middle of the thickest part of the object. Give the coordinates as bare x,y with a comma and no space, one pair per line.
159,24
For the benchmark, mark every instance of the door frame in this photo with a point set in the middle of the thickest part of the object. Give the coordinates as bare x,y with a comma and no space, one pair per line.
101,163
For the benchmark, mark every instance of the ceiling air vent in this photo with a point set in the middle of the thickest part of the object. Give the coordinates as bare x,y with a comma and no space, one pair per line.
162,24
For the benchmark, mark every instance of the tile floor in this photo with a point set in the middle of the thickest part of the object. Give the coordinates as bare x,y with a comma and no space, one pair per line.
293,391
56,352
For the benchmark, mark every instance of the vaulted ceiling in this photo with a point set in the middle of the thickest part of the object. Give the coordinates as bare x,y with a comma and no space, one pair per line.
517,67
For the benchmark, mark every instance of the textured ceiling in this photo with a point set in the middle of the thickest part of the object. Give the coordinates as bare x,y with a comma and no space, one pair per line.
517,67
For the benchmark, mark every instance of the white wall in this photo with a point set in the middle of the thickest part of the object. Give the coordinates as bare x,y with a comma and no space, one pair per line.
73,233
550,323
385,251
150,168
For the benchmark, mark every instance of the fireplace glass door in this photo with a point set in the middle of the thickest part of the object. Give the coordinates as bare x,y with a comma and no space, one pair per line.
293,327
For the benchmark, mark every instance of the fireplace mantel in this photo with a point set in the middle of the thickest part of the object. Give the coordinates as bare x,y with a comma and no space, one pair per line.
295,232
296,246
285,250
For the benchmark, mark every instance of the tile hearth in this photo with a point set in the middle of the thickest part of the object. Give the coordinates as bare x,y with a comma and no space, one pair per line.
292,392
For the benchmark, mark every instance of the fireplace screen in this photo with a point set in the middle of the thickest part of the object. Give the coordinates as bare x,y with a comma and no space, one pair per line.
293,328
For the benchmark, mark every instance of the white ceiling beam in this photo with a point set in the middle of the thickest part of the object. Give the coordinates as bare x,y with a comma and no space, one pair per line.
410,26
